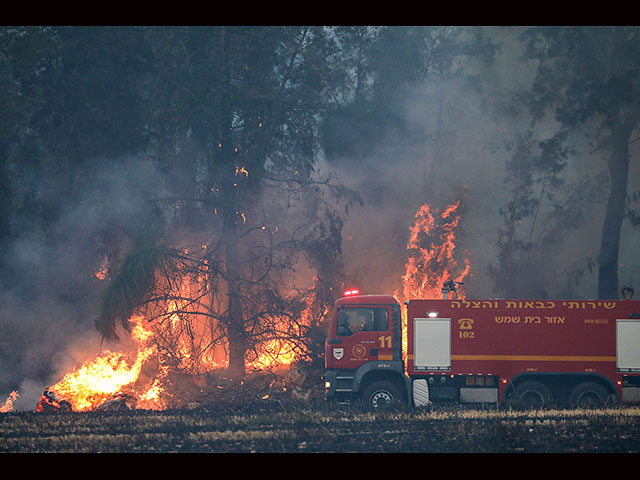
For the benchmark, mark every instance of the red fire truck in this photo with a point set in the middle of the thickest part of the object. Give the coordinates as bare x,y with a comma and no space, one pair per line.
528,352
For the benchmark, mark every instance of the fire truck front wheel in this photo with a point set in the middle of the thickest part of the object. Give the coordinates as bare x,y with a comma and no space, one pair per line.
381,394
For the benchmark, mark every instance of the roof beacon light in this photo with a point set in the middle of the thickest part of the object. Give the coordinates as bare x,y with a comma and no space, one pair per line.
351,293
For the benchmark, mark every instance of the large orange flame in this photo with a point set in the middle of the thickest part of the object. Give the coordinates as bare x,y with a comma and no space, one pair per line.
111,373
432,262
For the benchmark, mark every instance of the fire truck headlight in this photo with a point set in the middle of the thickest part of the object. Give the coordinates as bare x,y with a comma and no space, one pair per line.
432,314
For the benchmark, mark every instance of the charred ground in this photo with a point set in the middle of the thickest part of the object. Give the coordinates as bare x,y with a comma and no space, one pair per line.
277,426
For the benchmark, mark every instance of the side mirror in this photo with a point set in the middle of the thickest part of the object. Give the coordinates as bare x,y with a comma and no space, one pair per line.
343,332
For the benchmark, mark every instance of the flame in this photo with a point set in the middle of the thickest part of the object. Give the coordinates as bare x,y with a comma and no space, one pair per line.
281,352
8,404
432,241
97,380
273,354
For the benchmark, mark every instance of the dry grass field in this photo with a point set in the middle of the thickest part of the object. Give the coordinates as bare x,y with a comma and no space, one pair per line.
288,428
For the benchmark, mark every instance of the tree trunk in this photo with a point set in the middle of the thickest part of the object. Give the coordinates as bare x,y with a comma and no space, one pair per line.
233,272
236,334
235,327
619,172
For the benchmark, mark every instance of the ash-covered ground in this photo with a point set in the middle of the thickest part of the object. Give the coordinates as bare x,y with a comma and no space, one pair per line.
276,426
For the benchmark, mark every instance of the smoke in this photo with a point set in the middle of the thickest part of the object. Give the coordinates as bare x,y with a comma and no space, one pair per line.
452,161
49,304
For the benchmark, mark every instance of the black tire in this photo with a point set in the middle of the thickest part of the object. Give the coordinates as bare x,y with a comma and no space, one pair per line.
381,395
589,395
532,394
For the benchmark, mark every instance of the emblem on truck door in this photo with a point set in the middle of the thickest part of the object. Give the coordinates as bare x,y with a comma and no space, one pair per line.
359,351
338,353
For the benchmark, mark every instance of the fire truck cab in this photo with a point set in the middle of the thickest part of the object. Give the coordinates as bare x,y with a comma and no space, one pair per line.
527,352
363,351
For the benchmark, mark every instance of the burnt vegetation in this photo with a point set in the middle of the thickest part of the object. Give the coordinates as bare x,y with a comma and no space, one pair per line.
301,427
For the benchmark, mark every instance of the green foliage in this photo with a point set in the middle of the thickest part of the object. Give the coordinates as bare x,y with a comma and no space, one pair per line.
131,287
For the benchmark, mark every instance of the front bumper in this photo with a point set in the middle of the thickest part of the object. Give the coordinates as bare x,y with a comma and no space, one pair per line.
339,384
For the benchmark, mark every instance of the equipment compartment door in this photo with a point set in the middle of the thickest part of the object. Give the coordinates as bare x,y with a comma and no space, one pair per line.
628,345
432,344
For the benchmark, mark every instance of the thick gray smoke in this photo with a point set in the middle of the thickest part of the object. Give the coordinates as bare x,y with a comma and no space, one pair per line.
457,164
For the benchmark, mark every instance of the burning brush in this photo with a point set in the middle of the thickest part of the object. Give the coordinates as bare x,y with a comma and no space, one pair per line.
111,381
49,402
8,404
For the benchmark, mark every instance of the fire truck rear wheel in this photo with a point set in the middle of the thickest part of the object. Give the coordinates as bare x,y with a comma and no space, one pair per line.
381,394
533,394
588,395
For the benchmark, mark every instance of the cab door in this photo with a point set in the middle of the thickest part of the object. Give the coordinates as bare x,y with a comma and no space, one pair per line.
363,333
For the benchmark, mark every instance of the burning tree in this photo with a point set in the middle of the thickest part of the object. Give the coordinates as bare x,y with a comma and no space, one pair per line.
432,244
211,305
247,209
432,264
174,303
